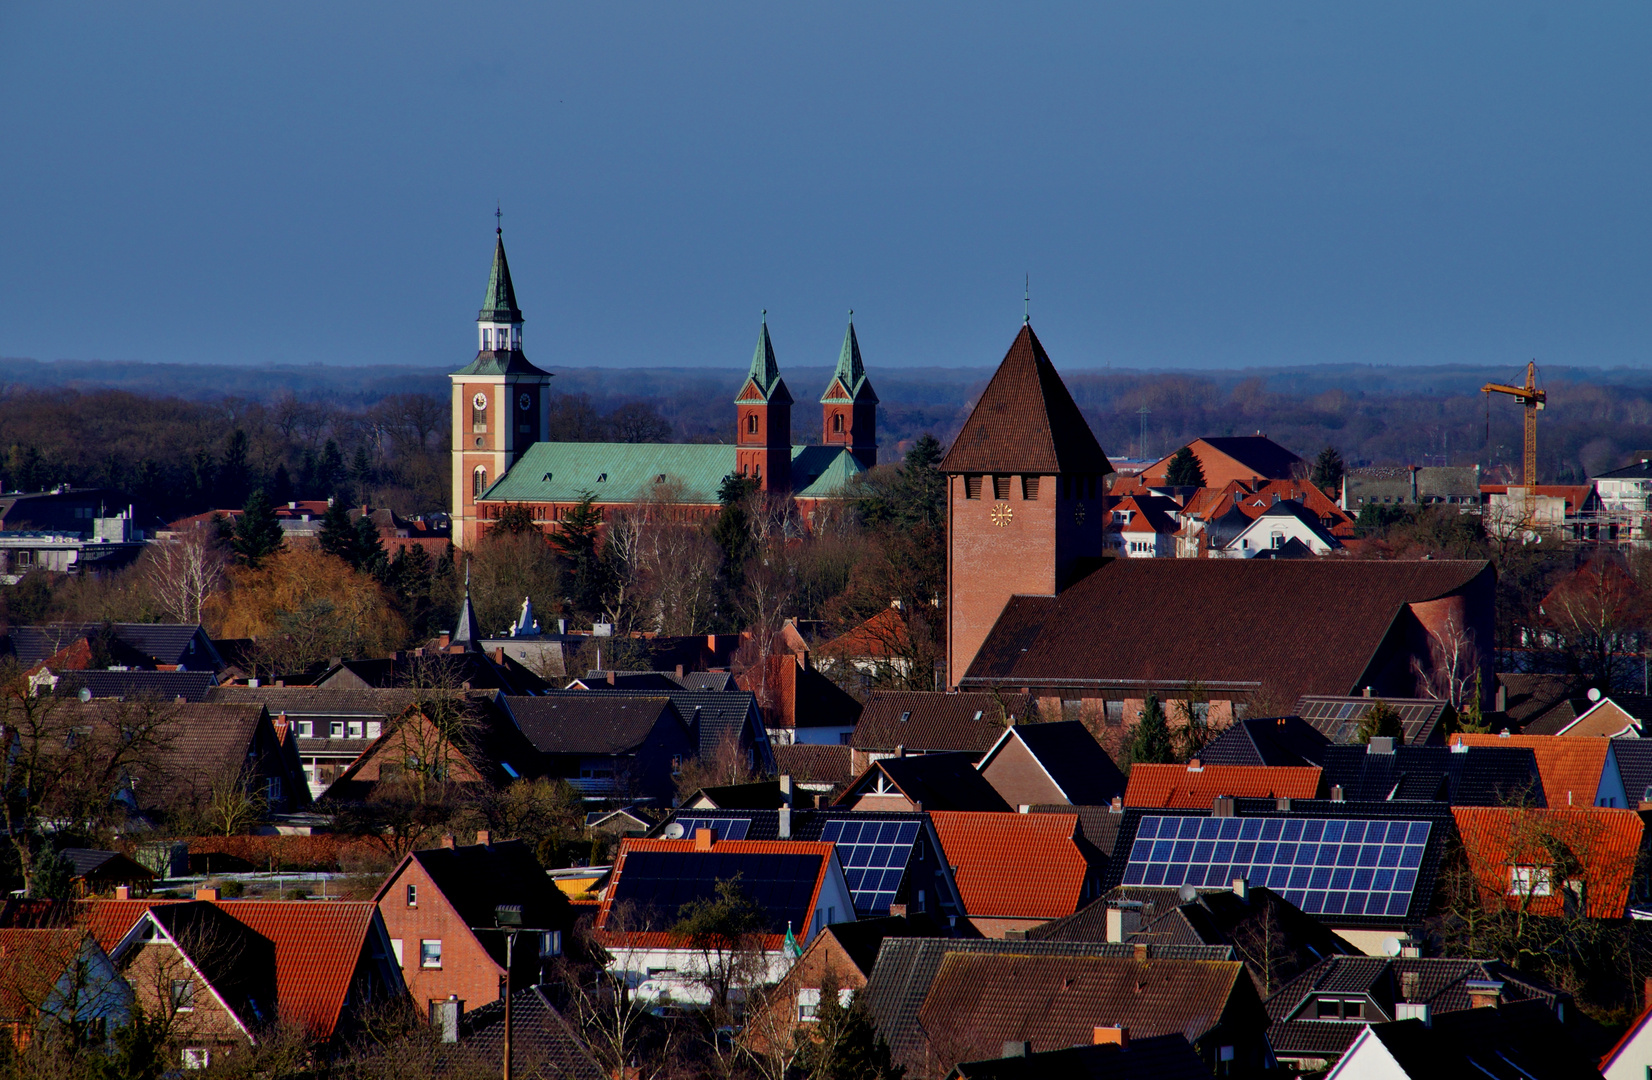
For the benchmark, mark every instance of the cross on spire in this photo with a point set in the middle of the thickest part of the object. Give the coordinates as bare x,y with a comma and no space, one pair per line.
498,223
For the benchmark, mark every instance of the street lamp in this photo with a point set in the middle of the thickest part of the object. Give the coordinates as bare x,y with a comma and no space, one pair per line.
508,919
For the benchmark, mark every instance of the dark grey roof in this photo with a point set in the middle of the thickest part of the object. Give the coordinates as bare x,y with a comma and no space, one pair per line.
936,782
1098,825
1158,1057
192,686
1074,760
1466,776
476,878
1385,982
108,865
1634,758
815,763
322,702
1267,740
1338,717
1527,698
542,1042
160,643
1636,470
585,722
712,716
1521,1041
906,968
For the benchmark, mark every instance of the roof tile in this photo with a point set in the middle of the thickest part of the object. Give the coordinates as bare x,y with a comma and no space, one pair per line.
1190,787
1014,866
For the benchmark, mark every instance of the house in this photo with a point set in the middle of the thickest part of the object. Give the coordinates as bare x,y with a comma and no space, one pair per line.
1524,702
899,721
146,646
1414,485
1380,884
1461,775
1575,772
878,650
543,1043
94,872
1554,860
1236,632
1267,740
331,727
893,862
840,958
1041,764
1561,508
1623,495
103,543
1634,758
438,907
1015,871
797,885
1275,939
1114,1055
1422,720
800,705
1139,528
462,665
721,722
1631,1056
608,746
1514,1042
1316,1017
222,970
815,768
977,1002
1197,784
1614,717
1284,526
54,977
461,738
1249,459
208,745
190,686
927,782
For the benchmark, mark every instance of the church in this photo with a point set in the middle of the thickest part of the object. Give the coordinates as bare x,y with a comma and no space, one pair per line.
501,414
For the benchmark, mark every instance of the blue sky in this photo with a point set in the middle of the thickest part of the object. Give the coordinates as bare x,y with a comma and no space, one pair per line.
1188,184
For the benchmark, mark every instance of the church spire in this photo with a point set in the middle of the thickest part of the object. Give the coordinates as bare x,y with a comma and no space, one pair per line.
467,633
848,382
499,305
765,370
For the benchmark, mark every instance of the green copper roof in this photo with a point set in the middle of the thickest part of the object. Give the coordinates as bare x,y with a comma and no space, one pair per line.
626,472
501,363
850,372
765,371
499,305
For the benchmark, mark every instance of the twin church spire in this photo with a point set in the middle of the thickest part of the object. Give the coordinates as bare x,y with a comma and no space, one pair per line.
848,406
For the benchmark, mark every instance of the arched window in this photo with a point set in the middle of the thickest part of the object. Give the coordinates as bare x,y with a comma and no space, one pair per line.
479,482
837,423
751,423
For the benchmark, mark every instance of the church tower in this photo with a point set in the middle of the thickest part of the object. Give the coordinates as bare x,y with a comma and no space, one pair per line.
1025,488
849,408
763,413
500,401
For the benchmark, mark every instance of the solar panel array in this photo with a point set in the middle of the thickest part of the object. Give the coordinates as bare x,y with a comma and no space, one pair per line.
874,855
1339,718
725,828
1324,867
781,885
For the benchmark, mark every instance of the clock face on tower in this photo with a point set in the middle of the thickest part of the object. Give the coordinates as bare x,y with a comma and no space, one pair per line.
1002,514
1078,514
524,402
479,402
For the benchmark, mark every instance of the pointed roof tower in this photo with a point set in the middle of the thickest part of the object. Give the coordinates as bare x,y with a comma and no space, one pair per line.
466,633
849,383
764,375
1026,421
499,305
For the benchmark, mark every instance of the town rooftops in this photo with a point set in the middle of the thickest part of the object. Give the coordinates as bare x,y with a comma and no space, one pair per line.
1015,866
1499,839
191,686
929,721
1025,421
542,1042
1196,784
1268,740
1518,1041
927,781
1232,457
714,716
1472,776
1228,624
156,644
1575,772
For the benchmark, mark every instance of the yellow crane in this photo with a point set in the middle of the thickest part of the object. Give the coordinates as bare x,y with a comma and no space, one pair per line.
1532,399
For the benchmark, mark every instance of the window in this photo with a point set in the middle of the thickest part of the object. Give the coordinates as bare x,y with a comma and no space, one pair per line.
373,729
1328,1009
479,481
808,1005
1528,881
1113,712
306,729
972,487
412,895
751,423
430,953
355,729
335,730
1029,488
183,994
550,943
837,423
396,947
197,1057
1001,488
272,790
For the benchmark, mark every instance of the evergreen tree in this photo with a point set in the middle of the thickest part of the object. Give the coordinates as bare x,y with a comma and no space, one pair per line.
1150,743
53,877
361,470
366,549
577,544
338,536
1381,720
281,485
257,533
409,577
235,470
329,473
732,528
1328,469
1185,470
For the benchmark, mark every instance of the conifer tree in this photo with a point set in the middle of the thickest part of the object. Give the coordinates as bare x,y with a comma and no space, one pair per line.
257,533
1185,470
1328,469
337,535
366,549
1151,742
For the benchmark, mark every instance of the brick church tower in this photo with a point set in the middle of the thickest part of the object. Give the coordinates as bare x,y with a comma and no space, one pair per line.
763,411
849,407
1025,488
500,401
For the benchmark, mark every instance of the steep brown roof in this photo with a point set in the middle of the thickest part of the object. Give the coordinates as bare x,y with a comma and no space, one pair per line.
1026,421
1293,627
929,720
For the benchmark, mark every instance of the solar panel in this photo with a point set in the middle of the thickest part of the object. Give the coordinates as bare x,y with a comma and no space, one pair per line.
874,855
1324,867
726,828
661,882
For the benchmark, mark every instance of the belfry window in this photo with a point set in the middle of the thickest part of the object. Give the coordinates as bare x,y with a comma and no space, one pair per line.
487,339
479,481
1001,488
972,487
751,423
837,423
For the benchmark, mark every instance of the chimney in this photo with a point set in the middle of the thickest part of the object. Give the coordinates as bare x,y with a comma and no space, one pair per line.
1241,888
447,840
703,839
900,751
784,829
898,910
1283,804
679,671
1017,1049
447,1014
208,892
1015,935
1124,917
785,790
122,892
499,655
1408,984
1194,765
1141,952
445,640
1222,806
1483,993
1648,996
1380,744
1336,792
483,837
1367,691
1112,1036
1116,806
610,676
1502,698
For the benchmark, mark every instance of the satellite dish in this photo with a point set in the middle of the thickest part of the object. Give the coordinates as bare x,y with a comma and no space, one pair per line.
85,694
673,831
1594,693
1187,894
1391,946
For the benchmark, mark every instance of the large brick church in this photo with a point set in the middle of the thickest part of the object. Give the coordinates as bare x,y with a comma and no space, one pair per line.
501,415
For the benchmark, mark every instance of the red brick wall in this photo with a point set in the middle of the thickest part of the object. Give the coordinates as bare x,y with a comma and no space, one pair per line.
987,563
467,970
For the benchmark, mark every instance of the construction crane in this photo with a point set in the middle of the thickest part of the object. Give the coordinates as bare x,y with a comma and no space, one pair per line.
1532,399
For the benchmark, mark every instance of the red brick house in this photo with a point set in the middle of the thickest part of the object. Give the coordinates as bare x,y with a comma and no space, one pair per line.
438,909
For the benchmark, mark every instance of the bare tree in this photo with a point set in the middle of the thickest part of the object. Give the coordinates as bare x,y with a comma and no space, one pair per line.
184,570
1454,668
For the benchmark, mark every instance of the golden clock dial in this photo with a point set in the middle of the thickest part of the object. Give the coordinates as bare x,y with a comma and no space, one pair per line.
1078,514
1002,514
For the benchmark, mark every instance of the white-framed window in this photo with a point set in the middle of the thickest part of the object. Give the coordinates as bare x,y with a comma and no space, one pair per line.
374,729
412,895
355,729
306,729
430,952
183,994
808,1003
1529,881
197,1057
550,943
335,730
479,481
487,339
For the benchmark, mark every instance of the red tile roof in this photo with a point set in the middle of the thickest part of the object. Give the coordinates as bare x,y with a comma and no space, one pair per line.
884,634
30,962
1014,866
1188,787
1606,841
1570,768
